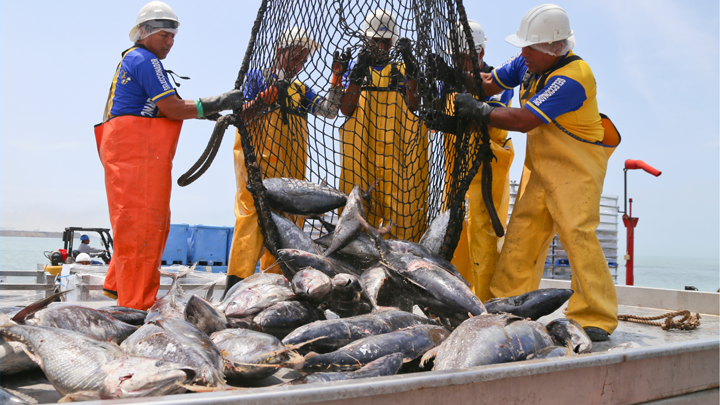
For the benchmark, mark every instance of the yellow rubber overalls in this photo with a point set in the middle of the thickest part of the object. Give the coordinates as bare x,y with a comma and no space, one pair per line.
565,175
282,152
478,247
383,140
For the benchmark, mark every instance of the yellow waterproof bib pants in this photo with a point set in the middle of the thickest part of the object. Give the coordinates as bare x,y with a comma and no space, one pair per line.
563,191
384,141
283,153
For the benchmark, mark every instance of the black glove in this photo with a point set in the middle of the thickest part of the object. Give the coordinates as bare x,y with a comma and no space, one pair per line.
440,70
467,106
405,49
282,91
357,75
341,61
227,101
438,121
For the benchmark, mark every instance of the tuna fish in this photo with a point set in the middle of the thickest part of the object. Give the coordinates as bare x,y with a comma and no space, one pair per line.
382,290
433,237
359,251
551,352
349,222
81,367
253,355
299,197
490,339
128,315
292,237
416,251
172,304
255,279
386,365
568,332
11,397
312,285
533,305
284,317
347,297
80,319
13,358
336,333
254,299
297,260
181,342
205,316
411,342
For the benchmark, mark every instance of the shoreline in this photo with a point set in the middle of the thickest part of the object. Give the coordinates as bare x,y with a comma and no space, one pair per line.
32,234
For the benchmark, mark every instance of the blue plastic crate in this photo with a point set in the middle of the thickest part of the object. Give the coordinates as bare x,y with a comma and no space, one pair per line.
231,230
176,248
562,263
207,245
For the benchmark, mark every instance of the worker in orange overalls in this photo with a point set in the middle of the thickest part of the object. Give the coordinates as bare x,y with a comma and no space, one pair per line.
136,141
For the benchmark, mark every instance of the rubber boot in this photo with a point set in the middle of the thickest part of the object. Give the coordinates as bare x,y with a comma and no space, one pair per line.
230,281
597,334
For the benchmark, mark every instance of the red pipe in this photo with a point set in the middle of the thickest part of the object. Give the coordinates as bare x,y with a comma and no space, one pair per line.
639,164
630,224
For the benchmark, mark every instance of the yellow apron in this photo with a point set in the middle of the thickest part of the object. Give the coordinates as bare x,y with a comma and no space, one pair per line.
282,152
383,140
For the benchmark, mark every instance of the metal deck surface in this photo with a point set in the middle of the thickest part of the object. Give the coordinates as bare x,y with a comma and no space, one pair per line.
668,364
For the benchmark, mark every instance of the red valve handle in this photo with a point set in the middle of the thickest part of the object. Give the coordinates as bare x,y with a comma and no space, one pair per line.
639,164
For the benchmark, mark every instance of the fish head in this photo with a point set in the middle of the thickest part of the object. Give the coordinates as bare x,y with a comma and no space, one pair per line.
141,377
312,284
346,288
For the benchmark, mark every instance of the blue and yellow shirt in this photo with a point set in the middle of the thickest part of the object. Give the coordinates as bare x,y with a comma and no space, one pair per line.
140,81
303,99
567,101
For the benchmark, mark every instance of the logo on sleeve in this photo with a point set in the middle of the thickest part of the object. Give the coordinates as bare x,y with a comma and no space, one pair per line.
160,73
124,78
148,109
549,91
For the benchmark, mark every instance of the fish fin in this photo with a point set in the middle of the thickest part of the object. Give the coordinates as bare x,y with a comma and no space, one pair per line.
367,195
80,396
36,306
432,353
31,356
204,388
299,345
296,361
210,291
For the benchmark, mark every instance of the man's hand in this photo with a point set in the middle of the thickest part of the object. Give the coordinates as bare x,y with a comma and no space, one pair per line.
439,69
340,66
404,47
467,106
227,101
276,93
357,75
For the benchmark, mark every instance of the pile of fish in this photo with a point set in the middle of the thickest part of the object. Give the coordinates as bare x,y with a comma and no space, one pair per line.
352,304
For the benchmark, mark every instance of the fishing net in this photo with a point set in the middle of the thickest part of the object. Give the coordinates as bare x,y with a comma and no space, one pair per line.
398,135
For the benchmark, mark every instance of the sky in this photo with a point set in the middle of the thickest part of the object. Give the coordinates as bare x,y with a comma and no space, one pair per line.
656,64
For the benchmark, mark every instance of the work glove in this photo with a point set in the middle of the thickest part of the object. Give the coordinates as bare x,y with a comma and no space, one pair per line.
276,93
231,100
340,66
440,70
438,121
467,106
403,46
357,75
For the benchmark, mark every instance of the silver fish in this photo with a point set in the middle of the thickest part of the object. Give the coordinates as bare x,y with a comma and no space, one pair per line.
253,355
254,299
566,331
297,260
312,285
204,315
490,339
433,237
255,279
386,365
551,352
299,197
181,342
292,237
349,222
533,304
172,304
284,317
81,367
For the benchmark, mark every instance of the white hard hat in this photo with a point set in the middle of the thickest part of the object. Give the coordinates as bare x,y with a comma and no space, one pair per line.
297,36
155,10
83,257
380,24
478,37
545,23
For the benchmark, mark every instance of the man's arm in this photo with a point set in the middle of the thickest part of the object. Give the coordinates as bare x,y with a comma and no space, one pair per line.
489,86
514,119
176,109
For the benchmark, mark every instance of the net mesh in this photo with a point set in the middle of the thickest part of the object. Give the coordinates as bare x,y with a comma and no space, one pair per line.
385,119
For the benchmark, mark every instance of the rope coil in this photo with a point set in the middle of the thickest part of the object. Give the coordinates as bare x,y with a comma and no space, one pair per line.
687,322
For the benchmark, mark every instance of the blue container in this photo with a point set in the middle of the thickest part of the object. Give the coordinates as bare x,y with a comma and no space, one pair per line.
562,263
207,245
176,248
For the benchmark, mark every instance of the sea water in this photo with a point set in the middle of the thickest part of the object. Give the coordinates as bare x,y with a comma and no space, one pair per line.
20,253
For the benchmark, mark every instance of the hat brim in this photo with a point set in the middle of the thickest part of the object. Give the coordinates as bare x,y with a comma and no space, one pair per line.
515,40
